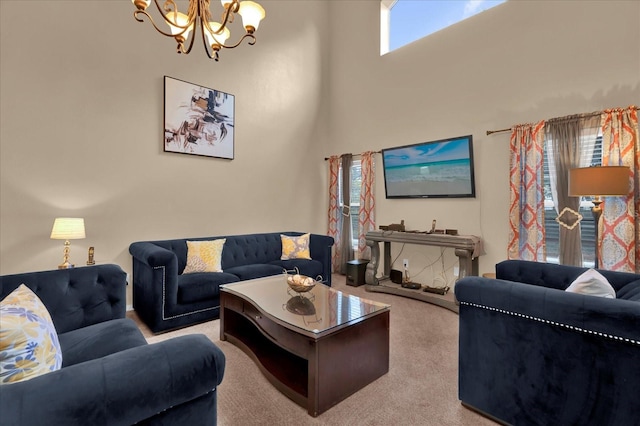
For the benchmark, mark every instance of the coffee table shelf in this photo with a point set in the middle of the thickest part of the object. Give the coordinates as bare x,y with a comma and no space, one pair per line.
288,371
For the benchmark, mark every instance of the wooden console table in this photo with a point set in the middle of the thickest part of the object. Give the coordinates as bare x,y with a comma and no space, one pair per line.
467,248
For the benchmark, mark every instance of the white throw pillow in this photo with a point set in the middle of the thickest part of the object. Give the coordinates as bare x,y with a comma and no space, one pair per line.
591,282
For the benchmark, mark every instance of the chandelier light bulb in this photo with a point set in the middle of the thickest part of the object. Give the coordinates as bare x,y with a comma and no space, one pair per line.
177,22
252,13
217,39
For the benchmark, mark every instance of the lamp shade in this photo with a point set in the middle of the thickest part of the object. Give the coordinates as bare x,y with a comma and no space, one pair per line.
217,38
598,181
178,22
68,228
252,13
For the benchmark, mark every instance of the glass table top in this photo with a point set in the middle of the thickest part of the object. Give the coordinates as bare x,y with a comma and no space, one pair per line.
320,309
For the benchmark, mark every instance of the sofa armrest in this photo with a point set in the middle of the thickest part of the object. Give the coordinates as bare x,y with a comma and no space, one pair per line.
614,318
119,389
320,249
530,354
152,254
155,280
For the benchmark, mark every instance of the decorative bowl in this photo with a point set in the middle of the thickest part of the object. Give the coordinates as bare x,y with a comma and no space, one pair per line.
300,283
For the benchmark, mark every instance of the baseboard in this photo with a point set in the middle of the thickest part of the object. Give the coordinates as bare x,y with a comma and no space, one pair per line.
129,307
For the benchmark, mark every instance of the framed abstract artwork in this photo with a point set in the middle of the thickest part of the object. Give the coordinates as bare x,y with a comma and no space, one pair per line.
198,120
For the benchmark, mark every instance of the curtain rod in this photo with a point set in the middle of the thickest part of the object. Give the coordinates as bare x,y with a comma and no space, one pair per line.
355,155
490,132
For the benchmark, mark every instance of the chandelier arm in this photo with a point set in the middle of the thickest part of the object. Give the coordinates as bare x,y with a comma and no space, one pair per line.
170,6
227,16
167,7
193,37
206,45
247,35
142,12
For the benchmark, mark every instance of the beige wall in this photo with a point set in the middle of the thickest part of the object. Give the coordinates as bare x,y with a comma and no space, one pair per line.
81,116
81,131
520,62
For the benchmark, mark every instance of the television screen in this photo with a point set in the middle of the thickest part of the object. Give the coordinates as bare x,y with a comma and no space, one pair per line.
437,169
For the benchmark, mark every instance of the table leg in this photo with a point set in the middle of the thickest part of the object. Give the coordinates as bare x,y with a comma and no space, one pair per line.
467,264
372,267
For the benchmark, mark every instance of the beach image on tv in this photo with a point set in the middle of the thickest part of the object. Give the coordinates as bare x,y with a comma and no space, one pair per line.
430,169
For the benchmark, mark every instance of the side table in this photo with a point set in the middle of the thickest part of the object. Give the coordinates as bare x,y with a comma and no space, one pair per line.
355,272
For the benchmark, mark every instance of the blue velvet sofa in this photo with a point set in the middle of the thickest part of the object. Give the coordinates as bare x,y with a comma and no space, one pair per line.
165,298
109,375
531,353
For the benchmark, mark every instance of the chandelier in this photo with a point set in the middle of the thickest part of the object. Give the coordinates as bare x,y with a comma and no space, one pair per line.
214,34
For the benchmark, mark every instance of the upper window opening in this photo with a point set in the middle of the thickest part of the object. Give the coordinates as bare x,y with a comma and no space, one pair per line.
404,21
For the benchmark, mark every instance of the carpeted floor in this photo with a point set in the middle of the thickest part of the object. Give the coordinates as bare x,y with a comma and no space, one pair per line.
420,388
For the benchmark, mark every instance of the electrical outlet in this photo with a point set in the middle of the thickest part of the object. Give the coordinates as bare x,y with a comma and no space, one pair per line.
405,263
456,271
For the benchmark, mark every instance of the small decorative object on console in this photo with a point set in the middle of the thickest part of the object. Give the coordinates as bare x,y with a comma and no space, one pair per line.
394,227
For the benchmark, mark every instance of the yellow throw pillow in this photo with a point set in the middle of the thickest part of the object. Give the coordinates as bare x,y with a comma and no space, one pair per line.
204,256
295,247
29,345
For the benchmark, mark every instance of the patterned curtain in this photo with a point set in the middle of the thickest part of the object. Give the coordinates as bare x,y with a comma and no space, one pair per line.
526,206
620,224
334,214
366,213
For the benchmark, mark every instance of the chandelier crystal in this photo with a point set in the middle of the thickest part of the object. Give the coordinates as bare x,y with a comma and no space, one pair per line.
214,34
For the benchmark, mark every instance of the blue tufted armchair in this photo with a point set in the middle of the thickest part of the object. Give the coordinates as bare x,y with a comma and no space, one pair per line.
109,374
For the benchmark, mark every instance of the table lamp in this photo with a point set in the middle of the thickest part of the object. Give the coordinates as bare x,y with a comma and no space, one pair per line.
67,228
598,182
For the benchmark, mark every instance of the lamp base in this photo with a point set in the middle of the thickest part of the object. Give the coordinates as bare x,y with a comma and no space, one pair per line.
596,210
65,265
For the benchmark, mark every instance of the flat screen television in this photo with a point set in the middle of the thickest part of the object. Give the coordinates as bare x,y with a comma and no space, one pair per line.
436,169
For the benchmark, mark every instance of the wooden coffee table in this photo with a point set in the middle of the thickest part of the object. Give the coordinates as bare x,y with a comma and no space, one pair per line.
317,348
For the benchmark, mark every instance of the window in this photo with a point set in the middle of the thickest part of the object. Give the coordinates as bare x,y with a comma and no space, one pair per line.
404,21
587,225
354,194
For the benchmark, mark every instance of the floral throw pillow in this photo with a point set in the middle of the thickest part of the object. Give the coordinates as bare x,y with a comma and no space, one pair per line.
204,256
29,345
295,247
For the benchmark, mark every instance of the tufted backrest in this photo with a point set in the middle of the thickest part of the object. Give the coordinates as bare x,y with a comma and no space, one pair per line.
238,250
75,297
561,276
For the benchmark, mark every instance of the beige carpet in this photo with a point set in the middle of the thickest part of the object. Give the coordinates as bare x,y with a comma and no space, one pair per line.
421,387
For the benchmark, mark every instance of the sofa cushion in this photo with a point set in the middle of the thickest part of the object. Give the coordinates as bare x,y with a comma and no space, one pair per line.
295,247
249,272
204,256
630,291
202,285
29,345
591,282
310,268
99,340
